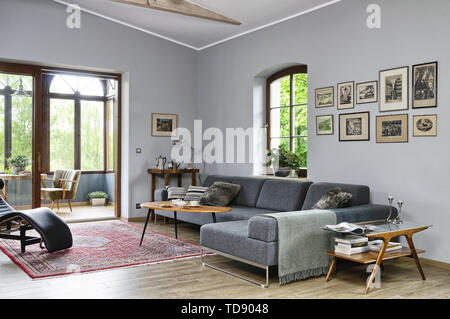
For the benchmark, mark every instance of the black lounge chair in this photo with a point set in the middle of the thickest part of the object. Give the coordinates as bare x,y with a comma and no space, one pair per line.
54,232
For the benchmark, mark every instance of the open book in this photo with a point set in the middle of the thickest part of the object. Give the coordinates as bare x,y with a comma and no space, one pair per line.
347,228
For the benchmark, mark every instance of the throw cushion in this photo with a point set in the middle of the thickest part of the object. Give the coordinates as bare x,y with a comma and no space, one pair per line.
220,194
176,192
195,193
335,198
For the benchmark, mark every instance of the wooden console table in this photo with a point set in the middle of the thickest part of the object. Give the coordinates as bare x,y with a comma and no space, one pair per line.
166,173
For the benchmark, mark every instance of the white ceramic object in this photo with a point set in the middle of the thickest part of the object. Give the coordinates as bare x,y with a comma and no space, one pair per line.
98,201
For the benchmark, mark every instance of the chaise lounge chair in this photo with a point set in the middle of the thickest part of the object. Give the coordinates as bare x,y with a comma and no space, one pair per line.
54,232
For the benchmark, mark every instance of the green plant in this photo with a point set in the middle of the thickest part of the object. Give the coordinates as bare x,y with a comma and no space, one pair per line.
285,158
96,195
18,161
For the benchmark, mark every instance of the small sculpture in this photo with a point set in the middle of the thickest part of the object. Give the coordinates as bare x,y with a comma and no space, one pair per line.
397,219
390,199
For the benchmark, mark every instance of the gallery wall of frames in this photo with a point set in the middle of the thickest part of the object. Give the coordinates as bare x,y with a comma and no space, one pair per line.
392,93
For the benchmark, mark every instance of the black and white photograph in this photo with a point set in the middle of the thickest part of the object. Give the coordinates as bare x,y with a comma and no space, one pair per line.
394,92
425,85
354,127
367,92
325,125
425,125
325,97
392,128
346,95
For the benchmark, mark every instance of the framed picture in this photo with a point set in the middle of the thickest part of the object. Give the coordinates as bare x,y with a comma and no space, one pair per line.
164,124
424,88
324,125
392,128
354,127
367,92
425,125
346,95
394,89
325,97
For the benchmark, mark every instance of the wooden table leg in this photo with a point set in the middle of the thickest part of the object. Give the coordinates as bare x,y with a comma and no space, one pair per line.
5,191
333,264
414,254
194,179
377,265
180,180
145,225
175,222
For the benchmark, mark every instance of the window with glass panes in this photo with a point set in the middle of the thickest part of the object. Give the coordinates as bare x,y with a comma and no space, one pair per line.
287,107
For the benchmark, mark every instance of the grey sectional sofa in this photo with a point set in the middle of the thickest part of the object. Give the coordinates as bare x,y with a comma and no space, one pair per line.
245,235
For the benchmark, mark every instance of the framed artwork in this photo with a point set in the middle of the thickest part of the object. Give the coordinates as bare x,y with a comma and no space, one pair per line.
325,97
346,95
392,128
164,124
424,87
324,125
367,92
425,125
394,89
354,127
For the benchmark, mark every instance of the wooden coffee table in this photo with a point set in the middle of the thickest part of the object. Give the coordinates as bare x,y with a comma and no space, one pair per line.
385,232
167,206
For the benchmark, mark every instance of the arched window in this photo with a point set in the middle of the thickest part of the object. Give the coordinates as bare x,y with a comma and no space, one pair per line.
287,106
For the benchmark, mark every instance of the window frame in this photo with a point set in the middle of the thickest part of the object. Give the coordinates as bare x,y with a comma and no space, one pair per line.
290,71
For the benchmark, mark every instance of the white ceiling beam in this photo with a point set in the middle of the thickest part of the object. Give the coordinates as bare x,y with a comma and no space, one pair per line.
183,7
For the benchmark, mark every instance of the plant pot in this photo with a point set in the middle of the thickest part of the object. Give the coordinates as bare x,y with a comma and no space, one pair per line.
283,172
293,174
98,201
17,169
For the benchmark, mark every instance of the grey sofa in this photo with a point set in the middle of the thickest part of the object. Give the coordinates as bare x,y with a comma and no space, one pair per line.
245,235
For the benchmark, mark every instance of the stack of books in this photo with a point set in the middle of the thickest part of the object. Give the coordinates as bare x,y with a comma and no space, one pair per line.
375,245
351,244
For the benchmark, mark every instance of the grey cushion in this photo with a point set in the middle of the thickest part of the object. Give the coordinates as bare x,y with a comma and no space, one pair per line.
360,193
249,193
231,238
336,198
263,228
282,195
217,178
220,194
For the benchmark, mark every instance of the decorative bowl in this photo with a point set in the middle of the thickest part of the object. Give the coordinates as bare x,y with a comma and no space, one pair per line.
179,203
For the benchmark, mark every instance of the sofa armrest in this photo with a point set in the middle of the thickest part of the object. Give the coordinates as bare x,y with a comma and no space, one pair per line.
263,228
363,213
161,195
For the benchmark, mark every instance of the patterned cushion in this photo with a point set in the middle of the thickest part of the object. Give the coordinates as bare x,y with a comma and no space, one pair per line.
220,194
176,192
335,198
195,193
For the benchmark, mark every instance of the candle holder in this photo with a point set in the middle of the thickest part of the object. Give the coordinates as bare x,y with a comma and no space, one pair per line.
397,219
389,220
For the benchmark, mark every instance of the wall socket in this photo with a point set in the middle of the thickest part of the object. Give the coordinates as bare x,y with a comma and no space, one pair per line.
138,206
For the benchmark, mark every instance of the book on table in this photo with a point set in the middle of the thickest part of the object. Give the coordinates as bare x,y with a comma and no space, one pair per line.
351,239
375,245
348,228
351,251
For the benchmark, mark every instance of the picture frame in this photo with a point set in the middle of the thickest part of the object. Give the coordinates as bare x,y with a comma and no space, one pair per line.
394,89
164,124
325,97
346,95
354,127
392,128
325,124
425,85
367,92
425,125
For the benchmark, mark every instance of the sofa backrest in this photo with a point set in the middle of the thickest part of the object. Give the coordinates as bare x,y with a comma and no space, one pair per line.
283,195
360,193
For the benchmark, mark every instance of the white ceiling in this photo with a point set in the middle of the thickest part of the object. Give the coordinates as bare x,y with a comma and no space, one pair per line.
198,33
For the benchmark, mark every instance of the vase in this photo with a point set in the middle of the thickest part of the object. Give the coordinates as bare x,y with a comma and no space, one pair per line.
293,174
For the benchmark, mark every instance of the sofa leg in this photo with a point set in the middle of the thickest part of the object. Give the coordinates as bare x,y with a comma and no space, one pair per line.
262,285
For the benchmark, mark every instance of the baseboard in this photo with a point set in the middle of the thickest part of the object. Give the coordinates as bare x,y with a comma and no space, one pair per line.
134,219
435,263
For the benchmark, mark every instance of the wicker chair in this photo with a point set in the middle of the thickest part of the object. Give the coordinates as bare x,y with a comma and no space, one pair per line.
65,184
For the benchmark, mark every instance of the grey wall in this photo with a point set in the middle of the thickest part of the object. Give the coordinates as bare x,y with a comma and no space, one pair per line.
159,76
337,46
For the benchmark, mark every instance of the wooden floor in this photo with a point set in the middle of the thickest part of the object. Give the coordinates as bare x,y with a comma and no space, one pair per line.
188,279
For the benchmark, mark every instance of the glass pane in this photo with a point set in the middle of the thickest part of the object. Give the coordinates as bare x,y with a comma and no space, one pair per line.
300,120
90,86
110,135
280,92
2,133
22,128
112,87
62,132
280,125
3,81
301,88
300,146
92,135
69,84
280,143
63,85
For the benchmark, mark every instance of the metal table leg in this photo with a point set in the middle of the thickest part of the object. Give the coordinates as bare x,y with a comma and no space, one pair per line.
145,226
175,222
214,217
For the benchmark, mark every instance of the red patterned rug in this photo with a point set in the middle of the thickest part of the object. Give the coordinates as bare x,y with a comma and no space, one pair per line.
99,246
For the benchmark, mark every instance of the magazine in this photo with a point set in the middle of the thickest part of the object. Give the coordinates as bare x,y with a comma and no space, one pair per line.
348,228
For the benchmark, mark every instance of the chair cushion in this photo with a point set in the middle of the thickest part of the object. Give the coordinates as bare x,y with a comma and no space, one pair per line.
250,189
360,193
282,195
51,193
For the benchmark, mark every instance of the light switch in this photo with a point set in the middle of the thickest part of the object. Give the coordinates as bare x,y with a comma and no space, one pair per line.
139,150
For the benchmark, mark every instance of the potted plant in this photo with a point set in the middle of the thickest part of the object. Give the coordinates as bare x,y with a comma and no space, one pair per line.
18,163
284,162
97,198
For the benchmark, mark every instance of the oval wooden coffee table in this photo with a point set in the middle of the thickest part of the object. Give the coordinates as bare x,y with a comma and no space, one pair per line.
167,206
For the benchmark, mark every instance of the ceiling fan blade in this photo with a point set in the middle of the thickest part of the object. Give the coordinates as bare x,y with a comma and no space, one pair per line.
183,7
